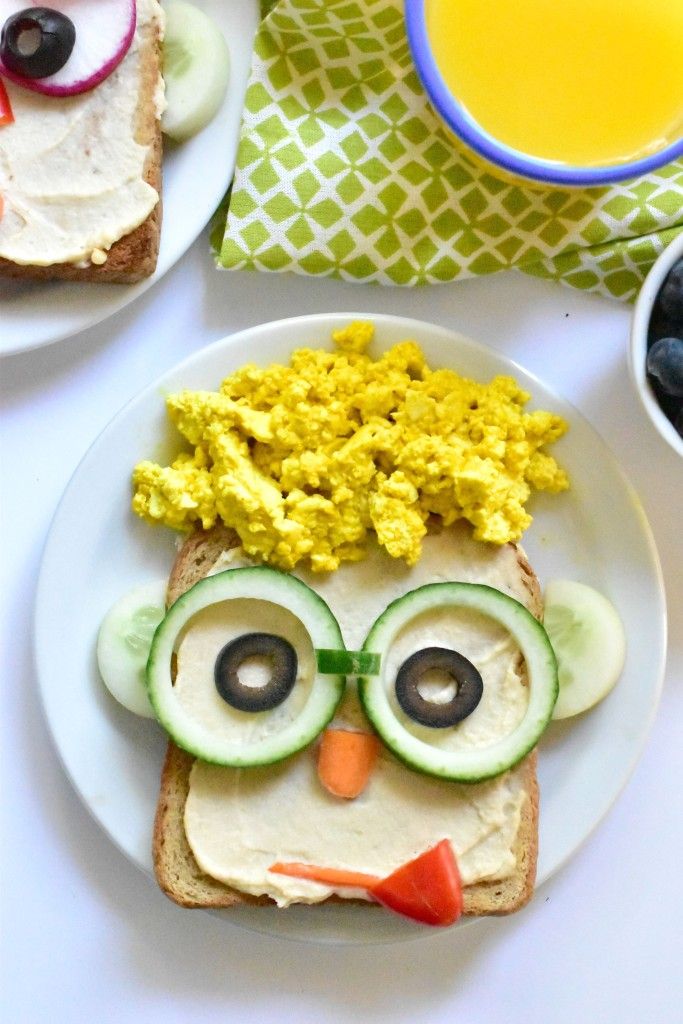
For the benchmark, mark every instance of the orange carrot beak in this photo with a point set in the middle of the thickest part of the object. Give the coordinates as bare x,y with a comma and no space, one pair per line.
346,760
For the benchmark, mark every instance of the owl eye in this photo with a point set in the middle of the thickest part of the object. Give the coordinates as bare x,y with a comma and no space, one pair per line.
281,664
242,697
463,678
439,734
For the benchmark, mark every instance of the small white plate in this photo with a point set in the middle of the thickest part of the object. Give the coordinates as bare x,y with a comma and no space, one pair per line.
97,550
196,177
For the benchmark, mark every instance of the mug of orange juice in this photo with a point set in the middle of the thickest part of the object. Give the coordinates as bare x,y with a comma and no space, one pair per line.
563,92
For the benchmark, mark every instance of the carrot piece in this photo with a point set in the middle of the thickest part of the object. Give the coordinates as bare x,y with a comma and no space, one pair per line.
346,760
326,876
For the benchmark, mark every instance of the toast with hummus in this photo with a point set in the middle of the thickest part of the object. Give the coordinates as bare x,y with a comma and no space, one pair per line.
80,176
217,829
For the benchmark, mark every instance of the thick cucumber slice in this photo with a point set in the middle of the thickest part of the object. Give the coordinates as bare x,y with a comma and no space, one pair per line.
123,644
282,737
196,70
469,764
589,642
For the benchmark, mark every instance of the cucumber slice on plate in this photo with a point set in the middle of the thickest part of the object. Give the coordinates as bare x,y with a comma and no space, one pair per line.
196,70
472,764
589,642
123,644
194,707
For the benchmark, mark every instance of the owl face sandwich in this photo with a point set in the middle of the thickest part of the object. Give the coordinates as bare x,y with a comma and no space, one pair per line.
327,786
350,665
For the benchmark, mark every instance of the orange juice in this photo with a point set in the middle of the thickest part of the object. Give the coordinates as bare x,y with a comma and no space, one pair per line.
580,82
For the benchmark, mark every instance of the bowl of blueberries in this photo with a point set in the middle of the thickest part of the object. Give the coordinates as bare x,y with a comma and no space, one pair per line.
656,353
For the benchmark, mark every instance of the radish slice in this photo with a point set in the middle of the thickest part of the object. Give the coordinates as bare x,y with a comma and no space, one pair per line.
104,32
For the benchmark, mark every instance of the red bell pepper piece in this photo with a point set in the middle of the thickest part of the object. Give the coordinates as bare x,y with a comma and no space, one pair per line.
6,115
427,889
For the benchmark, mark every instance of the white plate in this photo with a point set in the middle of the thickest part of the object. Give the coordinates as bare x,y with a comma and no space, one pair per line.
196,177
97,550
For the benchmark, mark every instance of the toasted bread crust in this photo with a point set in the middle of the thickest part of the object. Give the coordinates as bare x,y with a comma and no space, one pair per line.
134,256
175,867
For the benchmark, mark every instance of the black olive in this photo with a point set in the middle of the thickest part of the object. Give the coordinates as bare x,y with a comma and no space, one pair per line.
37,42
283,661
468,681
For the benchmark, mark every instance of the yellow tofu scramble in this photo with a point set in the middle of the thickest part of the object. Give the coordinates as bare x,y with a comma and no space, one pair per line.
308,461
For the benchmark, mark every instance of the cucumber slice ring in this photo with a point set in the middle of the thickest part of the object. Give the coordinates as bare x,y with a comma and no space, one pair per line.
259,583
476,764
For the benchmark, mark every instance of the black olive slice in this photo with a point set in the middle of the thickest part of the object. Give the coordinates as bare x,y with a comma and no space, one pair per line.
283,661
37,42
468,682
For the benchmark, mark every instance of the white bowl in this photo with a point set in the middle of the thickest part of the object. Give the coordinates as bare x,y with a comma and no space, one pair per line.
638,347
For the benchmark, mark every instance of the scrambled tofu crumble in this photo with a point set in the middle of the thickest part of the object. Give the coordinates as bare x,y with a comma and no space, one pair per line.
305,461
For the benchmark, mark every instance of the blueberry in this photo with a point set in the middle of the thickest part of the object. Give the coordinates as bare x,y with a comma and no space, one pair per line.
678,422
669,405
665,363
662,326
670,299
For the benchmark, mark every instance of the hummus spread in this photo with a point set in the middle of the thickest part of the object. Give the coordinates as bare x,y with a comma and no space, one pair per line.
71,172
238,822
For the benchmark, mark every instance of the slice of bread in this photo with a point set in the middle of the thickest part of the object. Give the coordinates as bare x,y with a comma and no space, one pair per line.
175,867
134,256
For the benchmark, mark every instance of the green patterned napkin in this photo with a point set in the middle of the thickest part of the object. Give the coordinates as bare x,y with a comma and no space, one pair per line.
344,170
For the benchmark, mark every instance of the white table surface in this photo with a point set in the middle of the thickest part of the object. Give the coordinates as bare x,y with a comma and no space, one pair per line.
87,937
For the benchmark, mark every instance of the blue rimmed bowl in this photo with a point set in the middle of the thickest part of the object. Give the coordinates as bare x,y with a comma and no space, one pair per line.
504,158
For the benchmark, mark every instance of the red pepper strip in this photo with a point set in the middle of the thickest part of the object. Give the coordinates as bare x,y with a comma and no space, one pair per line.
427,889
326,876
6,115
